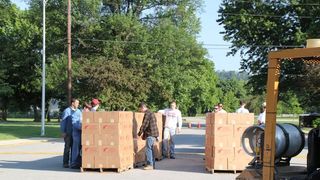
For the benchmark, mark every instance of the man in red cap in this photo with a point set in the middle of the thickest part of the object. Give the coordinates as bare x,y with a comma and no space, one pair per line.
95,104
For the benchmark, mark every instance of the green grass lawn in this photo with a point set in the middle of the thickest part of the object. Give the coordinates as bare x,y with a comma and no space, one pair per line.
16,128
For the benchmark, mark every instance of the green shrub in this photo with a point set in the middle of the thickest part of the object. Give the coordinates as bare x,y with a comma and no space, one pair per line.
316,123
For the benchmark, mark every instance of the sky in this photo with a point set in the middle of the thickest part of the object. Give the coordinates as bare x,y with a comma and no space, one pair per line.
209,36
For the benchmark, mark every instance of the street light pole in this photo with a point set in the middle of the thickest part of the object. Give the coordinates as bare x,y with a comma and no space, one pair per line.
69,52
43,66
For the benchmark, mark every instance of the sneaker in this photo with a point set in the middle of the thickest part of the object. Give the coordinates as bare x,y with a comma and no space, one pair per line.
172,157
149,167
66,165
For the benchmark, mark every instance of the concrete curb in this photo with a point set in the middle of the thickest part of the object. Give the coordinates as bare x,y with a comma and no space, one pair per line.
27,141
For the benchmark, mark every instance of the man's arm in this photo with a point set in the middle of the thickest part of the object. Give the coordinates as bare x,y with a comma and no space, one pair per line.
179,121
63,123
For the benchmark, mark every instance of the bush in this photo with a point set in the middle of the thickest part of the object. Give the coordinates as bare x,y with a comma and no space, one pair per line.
316,123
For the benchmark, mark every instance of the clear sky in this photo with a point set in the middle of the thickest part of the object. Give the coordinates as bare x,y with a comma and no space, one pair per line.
209,36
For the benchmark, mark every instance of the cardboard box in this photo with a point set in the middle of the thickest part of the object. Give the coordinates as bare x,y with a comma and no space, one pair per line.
241,119
222,130
88,155
223,152
219,163
99,116
238,130
209,117
87,139
235,141
209,130
87,117
239,153
237,164
220,141
90,128
219,118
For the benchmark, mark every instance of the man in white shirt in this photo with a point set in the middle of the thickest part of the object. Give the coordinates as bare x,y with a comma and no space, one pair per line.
173,118
262,115
242,108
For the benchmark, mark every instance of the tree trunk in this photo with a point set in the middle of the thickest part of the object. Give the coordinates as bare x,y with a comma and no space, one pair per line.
48,113
4,114
36,114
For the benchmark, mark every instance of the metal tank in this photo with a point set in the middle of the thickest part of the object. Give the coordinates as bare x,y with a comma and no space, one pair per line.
289,140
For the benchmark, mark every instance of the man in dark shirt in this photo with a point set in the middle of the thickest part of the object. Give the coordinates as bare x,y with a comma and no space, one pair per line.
150,132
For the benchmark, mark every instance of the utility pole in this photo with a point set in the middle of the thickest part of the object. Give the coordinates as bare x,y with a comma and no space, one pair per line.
43,66
69,52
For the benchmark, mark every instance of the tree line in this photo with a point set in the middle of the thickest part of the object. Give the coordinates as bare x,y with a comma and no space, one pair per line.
124,52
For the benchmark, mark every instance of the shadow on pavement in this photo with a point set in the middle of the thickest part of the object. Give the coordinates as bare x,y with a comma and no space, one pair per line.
47,164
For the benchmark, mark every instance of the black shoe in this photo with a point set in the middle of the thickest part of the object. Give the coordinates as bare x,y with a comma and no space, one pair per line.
75,167
172,157
66,165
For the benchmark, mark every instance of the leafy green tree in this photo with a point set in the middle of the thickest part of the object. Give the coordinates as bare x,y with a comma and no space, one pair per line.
20,56
257,27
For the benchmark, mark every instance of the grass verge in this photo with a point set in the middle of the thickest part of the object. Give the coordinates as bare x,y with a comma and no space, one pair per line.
26,128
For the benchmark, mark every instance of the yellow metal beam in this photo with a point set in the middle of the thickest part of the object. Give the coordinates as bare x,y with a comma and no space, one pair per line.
272,98
295,53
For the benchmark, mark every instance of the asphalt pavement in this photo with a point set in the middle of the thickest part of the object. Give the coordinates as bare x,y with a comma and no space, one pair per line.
41,158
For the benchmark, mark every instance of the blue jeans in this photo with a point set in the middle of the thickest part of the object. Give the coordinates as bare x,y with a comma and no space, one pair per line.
76,147
149,150
169,133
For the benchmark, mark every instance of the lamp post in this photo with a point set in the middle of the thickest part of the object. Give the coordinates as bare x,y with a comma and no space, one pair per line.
69,52
43,66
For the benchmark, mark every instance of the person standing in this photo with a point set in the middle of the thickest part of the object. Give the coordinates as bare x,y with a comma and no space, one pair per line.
73,115
173,118
242,108
220,108
66,129
262,115
150,133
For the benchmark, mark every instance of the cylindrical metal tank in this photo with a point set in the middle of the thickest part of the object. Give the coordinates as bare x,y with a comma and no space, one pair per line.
289,140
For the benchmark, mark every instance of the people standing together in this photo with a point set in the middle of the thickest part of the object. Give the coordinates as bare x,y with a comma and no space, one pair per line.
70,127
71,123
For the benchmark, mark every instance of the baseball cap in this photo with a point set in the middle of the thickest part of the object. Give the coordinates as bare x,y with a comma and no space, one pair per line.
95,102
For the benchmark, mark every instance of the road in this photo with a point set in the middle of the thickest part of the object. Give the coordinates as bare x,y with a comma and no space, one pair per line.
42,159
34,159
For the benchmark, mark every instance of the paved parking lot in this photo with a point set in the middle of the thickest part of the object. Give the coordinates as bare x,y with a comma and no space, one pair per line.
42,159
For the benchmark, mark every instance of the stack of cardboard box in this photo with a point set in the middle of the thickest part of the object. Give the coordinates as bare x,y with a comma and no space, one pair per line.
139,144
107,140
223,150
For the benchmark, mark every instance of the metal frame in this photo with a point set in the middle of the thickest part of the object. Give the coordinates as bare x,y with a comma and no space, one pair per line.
275,58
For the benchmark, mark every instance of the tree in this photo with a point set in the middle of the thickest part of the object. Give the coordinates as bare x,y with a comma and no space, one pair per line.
257,27
20,56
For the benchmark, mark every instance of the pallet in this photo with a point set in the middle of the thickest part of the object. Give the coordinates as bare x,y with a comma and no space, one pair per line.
140,164
158,158
223,171
101,170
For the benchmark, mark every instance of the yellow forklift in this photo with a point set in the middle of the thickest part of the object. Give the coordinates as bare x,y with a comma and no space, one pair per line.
310,54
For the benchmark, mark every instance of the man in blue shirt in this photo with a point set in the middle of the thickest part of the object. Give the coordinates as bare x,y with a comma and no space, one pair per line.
70,127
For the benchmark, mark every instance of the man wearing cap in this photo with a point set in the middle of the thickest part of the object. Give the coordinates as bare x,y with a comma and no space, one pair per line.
95,104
